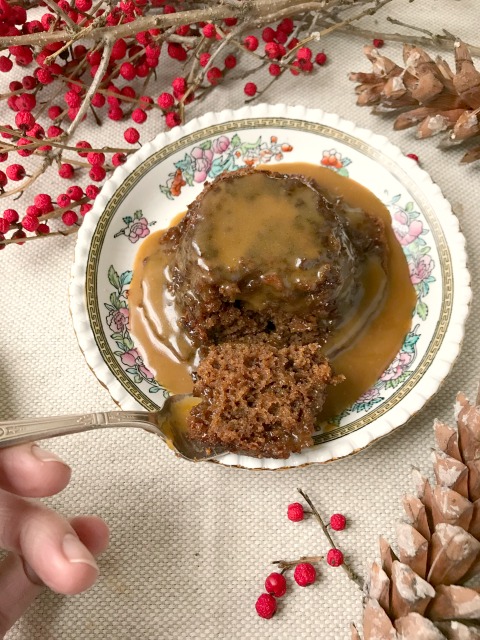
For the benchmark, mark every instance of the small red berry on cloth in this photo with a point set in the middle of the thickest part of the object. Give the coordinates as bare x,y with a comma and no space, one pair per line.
378,43
266,606
321,58
304,574
276,585
338,522
413,156
295,512
250,89
335,557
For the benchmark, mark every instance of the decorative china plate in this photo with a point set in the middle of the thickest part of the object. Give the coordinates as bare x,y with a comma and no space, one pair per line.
165,175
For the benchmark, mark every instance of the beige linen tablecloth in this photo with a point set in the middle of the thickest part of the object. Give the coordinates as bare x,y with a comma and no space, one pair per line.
192,544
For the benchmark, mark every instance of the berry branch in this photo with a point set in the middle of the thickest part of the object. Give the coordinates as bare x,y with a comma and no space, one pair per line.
80,61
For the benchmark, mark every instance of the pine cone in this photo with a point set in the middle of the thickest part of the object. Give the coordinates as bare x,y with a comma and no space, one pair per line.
426,93
430,589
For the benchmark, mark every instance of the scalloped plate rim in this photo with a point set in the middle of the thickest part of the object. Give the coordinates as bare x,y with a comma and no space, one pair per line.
332,450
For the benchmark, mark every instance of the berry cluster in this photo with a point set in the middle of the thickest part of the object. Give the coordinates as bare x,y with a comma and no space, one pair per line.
304,573
77,60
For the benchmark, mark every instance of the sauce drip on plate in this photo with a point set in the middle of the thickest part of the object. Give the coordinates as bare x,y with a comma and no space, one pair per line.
360,348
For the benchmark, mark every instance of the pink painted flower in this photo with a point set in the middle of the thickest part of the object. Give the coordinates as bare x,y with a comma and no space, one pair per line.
421,268
369,395
406,232
221,144
133,359
398,366
138,229
118,319
203,163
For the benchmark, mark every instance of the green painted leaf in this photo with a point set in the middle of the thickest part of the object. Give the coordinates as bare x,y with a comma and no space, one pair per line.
137,379
118,353
121,345
154,389
392,384
422,309
126,278
128,220
132,370
206,145
113,278
343,172
409,207
166,192
426,249
138,214
128,342
114,299
235,141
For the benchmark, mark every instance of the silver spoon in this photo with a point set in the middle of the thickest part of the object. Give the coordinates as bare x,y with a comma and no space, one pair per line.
169,423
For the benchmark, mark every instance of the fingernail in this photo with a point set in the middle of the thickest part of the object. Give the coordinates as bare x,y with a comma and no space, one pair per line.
45,455
76,552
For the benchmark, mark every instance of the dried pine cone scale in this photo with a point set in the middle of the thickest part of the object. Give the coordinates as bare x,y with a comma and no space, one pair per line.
425,94
430,588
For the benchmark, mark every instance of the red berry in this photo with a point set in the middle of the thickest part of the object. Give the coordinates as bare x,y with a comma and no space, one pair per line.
335,557
54,132
321,58
115,114
128,71
204,58
42,229
75,192
274,69
295,512
4,226
95,157
92,191
66,171
85,208
43,202
338,522
63,200
29,82
98,100
44,76
24,120
131,135
230,22
117,160
176,51
69,218
97,173
230,61
286,25
25,101
5,64
32,210
19,234
146,102
172,119
15,172
139,116
251,43
30,223
3,179
413,156
266,605
179,85
378,43
250,89
165,101
276,585
72,99
268,34
119,49
293,43
54,112
3,156
128,92
304,574
214,75
272,50
11,215
209,30
83,144
304,53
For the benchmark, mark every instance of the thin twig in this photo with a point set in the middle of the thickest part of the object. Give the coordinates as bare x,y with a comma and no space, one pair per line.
353,576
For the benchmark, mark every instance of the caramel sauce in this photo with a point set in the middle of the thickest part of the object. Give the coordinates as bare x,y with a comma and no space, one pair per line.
361,348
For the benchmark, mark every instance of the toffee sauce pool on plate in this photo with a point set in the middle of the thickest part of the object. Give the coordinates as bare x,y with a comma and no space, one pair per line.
361,348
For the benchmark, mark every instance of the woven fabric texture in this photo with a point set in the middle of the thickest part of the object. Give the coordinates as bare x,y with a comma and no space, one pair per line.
192,544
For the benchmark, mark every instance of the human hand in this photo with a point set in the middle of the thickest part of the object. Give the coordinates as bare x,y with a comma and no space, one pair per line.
44,548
